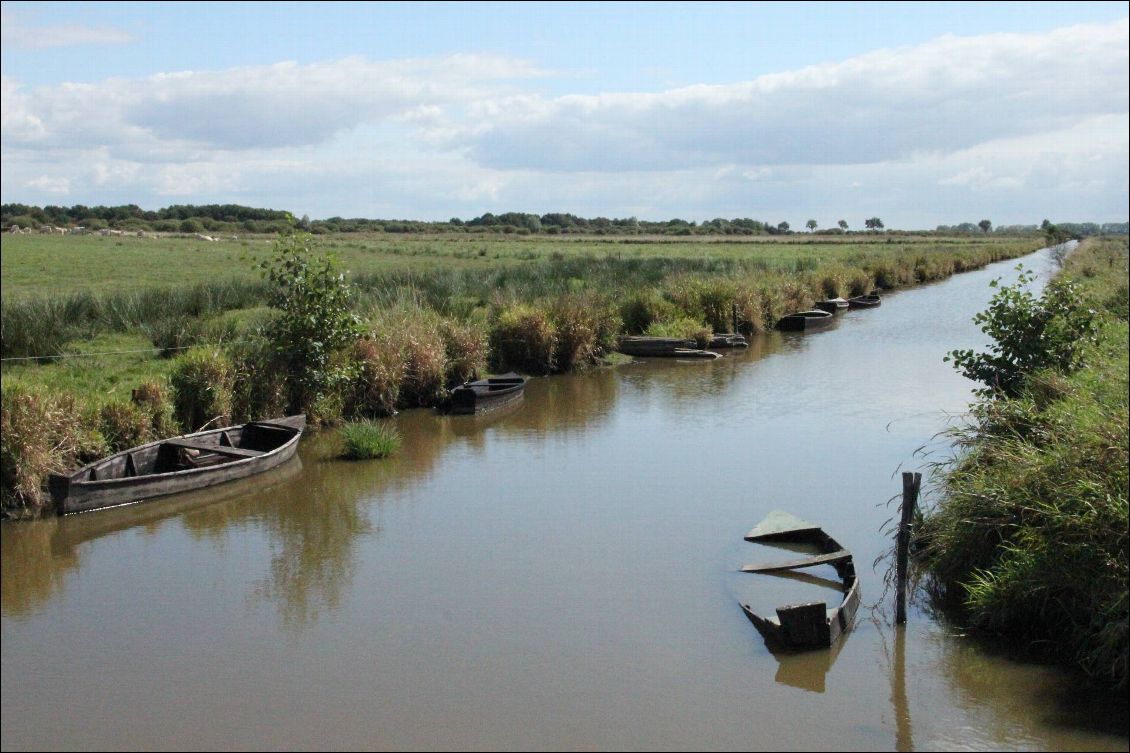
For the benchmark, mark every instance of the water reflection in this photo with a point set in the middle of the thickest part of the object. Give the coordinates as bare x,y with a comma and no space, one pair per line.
34,568
807,670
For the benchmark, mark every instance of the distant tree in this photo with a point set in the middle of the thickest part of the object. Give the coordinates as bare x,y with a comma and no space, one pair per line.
782,227
873,223
811,225
843,225
985,226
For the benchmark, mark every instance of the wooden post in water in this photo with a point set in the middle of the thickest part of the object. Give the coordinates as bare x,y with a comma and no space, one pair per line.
734,317
911,484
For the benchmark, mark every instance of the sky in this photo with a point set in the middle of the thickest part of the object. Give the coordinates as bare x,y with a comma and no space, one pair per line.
922,114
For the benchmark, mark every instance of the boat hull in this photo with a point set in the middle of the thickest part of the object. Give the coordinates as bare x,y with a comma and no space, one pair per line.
865,302
486,394
811,625
805,321
85,490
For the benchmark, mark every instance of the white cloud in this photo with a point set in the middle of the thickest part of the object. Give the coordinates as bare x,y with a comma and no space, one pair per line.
53,185
949,94
17,34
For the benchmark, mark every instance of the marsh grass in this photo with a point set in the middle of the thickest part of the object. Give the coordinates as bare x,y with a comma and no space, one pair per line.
1029,542
367,439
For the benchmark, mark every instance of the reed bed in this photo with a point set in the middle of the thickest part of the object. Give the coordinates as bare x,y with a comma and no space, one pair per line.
538,308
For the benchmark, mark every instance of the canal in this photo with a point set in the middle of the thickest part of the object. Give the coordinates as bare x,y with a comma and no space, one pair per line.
560,575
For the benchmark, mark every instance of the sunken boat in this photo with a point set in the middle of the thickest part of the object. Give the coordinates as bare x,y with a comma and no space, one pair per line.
865,301
180,464
663,347
805,321
833,305
806,625
727,340
486,394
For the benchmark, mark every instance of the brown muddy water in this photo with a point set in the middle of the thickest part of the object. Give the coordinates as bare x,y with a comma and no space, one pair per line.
559,575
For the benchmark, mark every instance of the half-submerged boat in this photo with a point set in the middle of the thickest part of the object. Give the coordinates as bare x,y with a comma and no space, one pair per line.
803,321
662,347
864,301
487,394
812,624
833,305
179,464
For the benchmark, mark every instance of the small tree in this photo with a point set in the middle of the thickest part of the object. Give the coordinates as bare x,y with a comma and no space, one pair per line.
1029,334
811,225
873,223
314,322
985,226
782,227
843,225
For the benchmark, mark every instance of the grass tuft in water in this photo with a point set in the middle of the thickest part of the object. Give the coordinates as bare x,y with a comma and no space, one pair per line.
367,439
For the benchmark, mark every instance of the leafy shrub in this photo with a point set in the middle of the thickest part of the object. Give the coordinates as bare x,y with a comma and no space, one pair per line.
1029,334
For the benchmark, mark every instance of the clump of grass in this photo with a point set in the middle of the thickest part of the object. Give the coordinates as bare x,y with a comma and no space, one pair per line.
684,328
586,328
643,307
367,439
375,387
39,433
465,344
523,337
202,383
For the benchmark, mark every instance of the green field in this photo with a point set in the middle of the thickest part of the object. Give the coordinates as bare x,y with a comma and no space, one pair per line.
43,265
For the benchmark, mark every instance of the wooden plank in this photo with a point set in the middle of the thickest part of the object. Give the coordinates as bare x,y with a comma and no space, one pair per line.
832,558
203,447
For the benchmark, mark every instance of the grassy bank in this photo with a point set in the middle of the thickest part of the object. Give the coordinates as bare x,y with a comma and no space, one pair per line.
1029,541
431,313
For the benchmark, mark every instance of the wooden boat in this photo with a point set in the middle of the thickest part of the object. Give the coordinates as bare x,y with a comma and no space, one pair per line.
727,340
803,321
812,624
833,305
487,394
662,347
180,464
865,301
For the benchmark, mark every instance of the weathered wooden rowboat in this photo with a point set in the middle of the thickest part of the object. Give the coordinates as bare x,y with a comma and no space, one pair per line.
803,321
487,394
179,464
812,624
865,301
833,305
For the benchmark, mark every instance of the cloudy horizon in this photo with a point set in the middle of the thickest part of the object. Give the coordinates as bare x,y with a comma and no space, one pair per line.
953,126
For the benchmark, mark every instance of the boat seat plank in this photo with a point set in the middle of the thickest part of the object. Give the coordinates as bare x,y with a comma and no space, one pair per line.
237,452
831,558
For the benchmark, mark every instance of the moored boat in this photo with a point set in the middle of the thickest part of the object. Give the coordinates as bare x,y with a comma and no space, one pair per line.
640,345
865,301
812,624
802,321
832,305
487,394
178,464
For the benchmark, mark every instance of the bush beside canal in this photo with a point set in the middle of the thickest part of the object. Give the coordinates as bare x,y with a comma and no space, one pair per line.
1029,541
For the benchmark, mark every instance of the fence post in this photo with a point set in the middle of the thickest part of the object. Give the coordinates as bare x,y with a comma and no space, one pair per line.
911,484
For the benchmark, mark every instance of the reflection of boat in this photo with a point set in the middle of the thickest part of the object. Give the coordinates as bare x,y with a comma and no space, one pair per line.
803,321
865,301
727,340
832,305
811,624
487,394
663,347
180,464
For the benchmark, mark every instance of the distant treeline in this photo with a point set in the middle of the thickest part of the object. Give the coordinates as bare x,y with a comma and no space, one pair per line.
233,218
